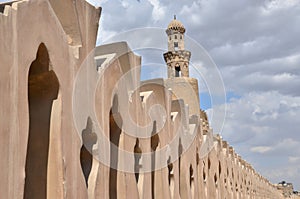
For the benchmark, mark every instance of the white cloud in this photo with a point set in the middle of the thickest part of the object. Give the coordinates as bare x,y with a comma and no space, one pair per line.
255,44
192,12
293,159
261,149
264,128
125,4
158,11
286,145
276,5
289,173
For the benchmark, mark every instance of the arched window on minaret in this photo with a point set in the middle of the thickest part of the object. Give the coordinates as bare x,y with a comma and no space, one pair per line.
177,71
176,47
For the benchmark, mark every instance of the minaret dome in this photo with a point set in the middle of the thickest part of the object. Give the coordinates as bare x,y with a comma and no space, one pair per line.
175,26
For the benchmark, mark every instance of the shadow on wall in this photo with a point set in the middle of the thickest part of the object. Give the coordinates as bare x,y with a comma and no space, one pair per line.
115,130
43,87
89,138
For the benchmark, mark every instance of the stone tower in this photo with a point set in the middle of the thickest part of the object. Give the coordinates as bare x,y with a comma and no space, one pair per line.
177,58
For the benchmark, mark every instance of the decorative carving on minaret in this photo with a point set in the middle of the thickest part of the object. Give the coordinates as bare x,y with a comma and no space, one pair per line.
177,58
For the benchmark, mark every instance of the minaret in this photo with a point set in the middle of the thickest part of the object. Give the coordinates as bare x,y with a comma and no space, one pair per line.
177,58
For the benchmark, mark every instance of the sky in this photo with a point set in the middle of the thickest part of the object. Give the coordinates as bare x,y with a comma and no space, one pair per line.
255,45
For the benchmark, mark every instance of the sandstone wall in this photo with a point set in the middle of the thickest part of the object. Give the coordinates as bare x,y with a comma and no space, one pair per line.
187,160
150,145
37,55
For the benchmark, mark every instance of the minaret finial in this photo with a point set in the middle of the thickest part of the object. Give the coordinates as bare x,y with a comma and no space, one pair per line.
174,17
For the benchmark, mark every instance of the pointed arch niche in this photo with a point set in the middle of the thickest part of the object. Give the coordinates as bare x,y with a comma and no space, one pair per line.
155,142
115,130
139,177
43,88
89,139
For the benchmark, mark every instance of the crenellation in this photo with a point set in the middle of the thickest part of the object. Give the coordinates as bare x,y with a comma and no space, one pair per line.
231,151
4,6
7,10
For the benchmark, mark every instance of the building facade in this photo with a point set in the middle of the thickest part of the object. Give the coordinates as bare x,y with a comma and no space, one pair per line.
77,122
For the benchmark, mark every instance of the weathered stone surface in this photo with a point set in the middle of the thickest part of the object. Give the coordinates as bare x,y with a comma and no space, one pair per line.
155,141
37,106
